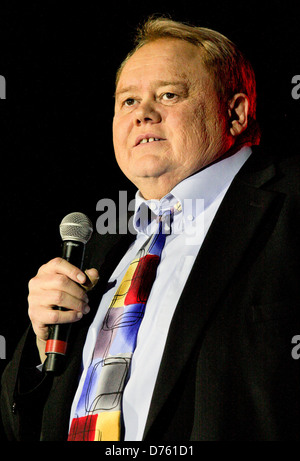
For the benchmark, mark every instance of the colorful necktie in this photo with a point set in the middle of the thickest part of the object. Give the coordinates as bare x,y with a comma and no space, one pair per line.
98,412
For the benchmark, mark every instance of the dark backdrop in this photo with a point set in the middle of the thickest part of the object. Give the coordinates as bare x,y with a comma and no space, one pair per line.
59,63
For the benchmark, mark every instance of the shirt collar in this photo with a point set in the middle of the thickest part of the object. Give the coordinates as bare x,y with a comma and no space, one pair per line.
193,195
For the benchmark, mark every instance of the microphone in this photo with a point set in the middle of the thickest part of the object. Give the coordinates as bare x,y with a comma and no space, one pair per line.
75,230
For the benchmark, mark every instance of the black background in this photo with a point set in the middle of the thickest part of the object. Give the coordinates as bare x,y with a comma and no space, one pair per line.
59,63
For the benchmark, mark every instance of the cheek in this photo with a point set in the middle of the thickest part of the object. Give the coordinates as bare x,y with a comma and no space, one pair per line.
191,129
206,124
179,125
119,136
118,145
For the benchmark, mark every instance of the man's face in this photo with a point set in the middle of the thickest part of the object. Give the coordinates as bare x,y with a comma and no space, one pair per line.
166,97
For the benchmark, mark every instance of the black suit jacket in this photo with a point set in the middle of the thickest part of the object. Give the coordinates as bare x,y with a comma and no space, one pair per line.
227,371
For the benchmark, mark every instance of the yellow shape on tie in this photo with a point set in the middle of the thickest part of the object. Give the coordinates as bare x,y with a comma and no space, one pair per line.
119,297
108,427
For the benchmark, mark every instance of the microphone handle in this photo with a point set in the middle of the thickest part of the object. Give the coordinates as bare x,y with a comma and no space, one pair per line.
56,346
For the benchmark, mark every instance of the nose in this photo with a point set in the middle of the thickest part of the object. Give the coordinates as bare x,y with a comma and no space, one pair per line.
147,112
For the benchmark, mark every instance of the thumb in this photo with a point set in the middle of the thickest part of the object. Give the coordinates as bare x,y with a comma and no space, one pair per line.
92,277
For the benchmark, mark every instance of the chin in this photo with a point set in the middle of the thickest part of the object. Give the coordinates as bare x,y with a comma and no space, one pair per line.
150,166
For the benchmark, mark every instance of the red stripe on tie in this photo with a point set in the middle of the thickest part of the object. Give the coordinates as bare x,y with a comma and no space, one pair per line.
83,429
56,346
142,280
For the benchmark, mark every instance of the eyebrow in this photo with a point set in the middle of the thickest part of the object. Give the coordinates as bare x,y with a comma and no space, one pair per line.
156,83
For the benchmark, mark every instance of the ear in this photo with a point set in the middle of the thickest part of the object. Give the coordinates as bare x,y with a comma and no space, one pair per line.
238,114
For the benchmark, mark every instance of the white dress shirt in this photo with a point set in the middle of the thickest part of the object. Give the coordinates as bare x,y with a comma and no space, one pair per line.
199,197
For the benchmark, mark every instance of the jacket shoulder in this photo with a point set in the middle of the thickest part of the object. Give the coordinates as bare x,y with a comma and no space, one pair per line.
289,168
279,173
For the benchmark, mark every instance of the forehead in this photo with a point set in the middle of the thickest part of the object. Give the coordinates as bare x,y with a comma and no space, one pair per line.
162,59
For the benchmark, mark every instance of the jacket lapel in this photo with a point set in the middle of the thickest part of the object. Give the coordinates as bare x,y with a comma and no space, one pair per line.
239,222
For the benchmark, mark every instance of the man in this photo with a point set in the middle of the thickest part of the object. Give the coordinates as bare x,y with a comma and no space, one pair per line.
213,356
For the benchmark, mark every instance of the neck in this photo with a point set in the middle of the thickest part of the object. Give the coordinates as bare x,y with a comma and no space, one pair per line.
155,188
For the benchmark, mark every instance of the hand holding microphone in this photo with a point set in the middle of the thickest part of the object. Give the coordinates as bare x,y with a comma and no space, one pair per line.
56,297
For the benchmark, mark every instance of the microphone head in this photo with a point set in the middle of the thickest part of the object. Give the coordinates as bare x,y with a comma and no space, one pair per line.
76,227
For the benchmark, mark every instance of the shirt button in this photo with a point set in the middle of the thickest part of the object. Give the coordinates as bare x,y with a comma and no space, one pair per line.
14,408
190,217
152,206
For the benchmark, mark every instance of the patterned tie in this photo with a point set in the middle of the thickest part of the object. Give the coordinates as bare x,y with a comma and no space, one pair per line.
98,412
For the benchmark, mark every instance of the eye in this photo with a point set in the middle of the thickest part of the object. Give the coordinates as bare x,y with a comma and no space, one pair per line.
129,102
168,96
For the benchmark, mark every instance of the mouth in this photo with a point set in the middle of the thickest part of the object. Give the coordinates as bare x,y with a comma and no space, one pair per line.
148,138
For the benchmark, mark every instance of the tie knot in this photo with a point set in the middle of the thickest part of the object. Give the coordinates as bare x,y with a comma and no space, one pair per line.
165,218
165,215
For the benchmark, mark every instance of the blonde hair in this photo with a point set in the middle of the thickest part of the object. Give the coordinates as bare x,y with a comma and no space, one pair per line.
231,70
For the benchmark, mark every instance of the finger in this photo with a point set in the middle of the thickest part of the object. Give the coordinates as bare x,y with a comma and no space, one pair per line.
61,266
43,315
92,277
57,316
44,282
40,324
56,298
